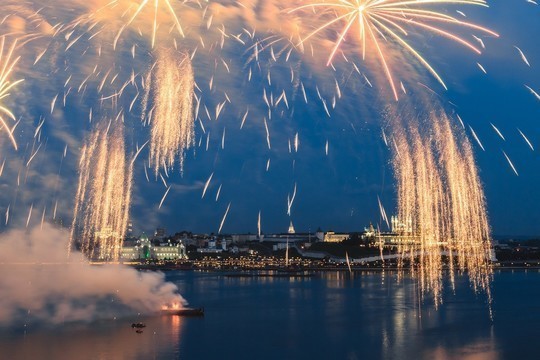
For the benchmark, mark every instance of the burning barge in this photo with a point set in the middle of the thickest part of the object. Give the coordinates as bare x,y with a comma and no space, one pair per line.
181,311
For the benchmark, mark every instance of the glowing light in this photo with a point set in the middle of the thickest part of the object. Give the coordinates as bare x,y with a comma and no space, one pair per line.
374,21
146,9
7,65
103,195
170,113
440,191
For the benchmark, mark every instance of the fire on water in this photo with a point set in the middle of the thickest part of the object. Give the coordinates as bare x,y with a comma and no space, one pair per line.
178,309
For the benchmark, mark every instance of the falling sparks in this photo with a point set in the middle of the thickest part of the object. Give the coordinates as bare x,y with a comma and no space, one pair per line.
481,68
206,185
259,225
536,95
382,211
441,204
267,134
526,139
103,195
223,139
523,57
290,200
477,138
224,218
218,192
244,118
42,218
164,196
498,131
172,125
510,163
29,215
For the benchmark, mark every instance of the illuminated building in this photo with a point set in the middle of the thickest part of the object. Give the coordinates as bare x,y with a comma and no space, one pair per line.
143,249
331,236
402,233
291,228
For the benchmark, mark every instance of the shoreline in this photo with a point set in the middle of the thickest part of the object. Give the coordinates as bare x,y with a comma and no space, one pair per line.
303,270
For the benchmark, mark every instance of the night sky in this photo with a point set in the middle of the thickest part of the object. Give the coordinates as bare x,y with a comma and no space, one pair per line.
337,191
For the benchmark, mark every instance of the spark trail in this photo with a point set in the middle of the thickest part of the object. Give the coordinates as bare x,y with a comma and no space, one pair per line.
142,16
103,194
170,113
7,66
372,23
440,192
159,6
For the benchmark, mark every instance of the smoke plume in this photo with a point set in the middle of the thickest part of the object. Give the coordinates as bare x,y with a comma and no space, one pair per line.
40,285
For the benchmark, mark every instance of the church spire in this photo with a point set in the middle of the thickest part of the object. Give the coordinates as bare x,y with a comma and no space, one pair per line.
291,228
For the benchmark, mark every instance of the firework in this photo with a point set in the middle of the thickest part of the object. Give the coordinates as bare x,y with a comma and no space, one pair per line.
372,22
171,86
142,15
159,6
7,66
103,194
441,200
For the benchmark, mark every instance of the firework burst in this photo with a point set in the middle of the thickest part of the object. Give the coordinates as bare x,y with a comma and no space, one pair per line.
372,22
147,9
7,65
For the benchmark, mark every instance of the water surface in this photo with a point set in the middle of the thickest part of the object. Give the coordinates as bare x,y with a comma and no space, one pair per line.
369,315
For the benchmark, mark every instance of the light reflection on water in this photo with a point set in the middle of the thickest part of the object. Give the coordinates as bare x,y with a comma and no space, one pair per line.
104,339
334,315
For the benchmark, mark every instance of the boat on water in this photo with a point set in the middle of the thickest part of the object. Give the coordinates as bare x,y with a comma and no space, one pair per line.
138,325
183,311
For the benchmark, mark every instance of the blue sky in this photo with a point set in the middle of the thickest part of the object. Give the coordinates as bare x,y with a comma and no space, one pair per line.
336,191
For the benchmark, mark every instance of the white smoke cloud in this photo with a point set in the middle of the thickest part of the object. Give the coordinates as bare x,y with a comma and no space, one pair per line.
41,285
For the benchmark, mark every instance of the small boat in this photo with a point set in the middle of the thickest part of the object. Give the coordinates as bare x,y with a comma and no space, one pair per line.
138,325
184,311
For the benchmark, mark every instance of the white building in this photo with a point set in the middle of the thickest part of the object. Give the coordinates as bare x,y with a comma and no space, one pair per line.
399,226
145,250
331,236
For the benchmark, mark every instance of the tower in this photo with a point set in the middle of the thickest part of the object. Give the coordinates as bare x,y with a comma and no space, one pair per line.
291,228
